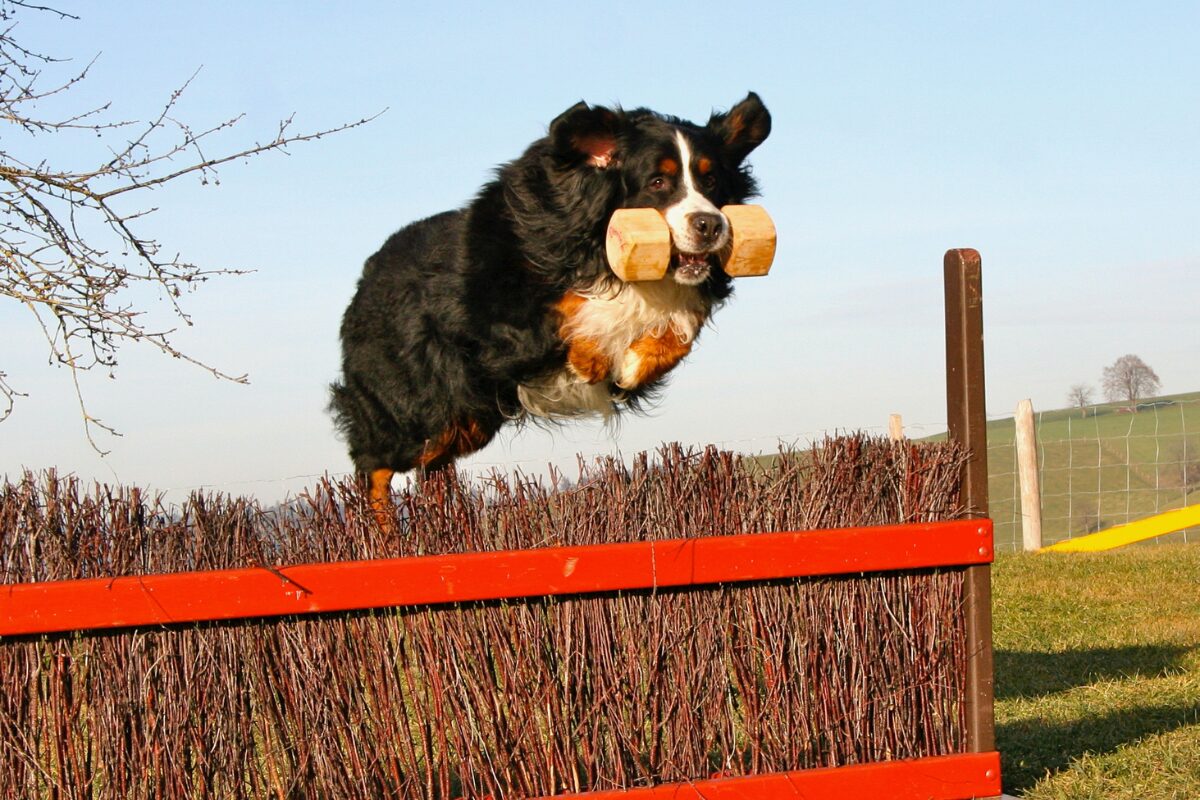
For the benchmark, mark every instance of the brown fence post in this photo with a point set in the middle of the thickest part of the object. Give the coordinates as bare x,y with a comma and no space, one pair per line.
967,422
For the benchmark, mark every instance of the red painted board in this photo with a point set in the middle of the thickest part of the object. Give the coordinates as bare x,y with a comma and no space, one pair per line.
957,777
340,586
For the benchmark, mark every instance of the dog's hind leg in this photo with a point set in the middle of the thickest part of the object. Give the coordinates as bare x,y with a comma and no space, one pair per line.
460,439
379,491
457,440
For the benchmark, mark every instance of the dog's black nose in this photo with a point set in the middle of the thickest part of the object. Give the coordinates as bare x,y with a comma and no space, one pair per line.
707,226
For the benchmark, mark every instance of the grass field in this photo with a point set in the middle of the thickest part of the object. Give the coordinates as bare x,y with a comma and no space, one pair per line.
1103,469
1098,674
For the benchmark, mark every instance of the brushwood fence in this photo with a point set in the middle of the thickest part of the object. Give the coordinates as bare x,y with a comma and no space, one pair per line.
703,628
522,698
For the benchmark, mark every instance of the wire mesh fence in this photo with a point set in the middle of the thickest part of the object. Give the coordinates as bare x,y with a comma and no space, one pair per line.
1098,467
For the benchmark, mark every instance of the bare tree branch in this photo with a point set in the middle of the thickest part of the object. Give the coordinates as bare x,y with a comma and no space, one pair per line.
73,249
8,396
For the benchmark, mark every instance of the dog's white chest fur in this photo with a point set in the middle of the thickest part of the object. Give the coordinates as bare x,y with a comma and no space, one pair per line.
614,318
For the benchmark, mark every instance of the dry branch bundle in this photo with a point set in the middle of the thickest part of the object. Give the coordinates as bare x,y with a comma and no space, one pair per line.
512,699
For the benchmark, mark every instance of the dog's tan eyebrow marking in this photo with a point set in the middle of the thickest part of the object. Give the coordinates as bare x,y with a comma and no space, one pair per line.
704,165
668,166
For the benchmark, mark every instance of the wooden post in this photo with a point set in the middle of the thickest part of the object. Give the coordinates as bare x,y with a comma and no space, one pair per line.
1027,470
967,420
896,428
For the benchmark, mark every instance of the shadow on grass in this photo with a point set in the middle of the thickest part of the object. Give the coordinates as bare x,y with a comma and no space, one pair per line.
1024,674
1031,748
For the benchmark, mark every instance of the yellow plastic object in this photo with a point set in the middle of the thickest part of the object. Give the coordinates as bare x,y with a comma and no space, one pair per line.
1121,535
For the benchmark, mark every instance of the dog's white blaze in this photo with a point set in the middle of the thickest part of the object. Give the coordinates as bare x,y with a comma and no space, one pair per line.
614,319
692,202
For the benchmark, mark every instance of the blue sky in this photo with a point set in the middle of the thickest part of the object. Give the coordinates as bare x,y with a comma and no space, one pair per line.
1060,140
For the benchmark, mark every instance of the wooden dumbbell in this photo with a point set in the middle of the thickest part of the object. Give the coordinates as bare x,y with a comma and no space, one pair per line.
639,243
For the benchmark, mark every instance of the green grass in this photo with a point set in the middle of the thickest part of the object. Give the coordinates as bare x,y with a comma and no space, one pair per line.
1098,673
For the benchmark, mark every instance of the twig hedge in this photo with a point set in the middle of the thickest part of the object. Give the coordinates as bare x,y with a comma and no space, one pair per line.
509,699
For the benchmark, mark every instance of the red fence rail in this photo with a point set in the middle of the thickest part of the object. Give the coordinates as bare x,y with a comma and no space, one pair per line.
252,592
936,778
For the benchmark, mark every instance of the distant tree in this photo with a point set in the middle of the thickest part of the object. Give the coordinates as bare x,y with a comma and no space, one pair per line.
1080,396
73,246
1129,379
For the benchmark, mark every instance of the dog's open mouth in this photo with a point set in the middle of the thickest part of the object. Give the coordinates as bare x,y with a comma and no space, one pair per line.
691,268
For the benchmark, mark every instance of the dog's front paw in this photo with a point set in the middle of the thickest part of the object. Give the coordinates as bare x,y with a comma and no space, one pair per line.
631,373
649,358
587,361
638,369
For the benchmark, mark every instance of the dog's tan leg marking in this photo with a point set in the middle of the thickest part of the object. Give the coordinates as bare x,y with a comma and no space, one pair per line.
585,357
459,439
380,493
568,307
651,357
587,360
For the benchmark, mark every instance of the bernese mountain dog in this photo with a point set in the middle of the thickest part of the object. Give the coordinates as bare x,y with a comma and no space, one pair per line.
507,308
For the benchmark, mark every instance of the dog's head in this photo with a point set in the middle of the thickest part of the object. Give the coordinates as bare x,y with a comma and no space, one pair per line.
685,171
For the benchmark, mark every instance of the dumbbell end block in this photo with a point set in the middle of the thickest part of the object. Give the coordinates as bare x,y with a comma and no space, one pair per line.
753,248
638,244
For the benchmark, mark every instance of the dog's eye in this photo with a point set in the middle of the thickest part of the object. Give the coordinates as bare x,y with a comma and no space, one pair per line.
709,181
657,183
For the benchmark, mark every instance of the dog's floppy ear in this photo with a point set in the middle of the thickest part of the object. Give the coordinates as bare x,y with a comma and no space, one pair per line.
587,133
744,128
